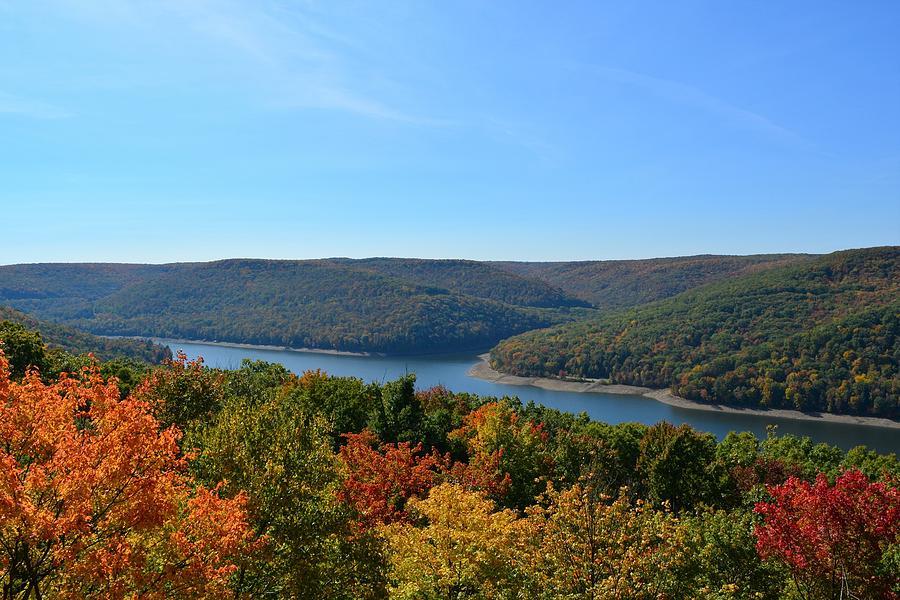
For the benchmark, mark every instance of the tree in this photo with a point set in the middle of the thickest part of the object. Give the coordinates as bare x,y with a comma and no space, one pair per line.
95,501
464,548
723,562
397,416
23,348
269,446
677,465
836,540
508,457
379,479
873,465
602,456
444,412
800,454
344,401
183,393
587,546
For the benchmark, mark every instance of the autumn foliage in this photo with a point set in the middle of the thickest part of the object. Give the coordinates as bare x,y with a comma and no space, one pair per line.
465,549
833,538
380,478
256,483
508,456
95,500
592,546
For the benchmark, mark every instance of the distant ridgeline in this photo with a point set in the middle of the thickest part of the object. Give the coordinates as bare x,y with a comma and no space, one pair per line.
609,284
818,334
376,305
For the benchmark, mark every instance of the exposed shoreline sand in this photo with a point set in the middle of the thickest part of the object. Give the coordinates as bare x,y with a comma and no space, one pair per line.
248,346
483,370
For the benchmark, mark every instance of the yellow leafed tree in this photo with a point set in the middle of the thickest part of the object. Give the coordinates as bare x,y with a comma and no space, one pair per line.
463,549
586,547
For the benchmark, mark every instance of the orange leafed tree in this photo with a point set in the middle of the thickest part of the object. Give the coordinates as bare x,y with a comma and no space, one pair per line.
95,501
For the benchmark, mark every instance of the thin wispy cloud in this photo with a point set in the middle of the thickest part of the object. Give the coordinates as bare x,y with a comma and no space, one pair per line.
331,97
687,95
14,105
305,63
299,62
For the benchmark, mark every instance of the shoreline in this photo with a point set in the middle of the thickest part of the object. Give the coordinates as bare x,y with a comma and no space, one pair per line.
175,341
483,370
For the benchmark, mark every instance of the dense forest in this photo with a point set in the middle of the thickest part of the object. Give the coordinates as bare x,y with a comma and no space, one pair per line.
60,291
478,279
612,284
73,341
257,483
818,335
313,305
339,304
378,305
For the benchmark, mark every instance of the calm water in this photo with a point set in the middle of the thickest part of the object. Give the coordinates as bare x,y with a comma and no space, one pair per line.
450,371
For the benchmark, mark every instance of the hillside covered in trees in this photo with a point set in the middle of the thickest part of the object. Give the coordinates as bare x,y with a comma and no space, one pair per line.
380,304
478,279
339,304
62,291
74,341
258,483
818,335
612,284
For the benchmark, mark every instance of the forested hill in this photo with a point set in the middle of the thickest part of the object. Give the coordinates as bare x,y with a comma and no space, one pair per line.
390,305
819,335
341,304
317,304
77,342
478,279
611,284
61,291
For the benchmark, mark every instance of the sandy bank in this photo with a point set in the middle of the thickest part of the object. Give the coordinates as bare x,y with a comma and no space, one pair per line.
483,370
176,341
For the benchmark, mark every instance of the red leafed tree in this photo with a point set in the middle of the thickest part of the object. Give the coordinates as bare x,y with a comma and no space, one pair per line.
380,478
833,539
95,501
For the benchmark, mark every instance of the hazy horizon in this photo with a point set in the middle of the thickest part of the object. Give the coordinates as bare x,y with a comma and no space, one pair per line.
448,258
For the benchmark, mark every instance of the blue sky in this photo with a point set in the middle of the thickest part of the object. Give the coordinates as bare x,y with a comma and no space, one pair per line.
192,130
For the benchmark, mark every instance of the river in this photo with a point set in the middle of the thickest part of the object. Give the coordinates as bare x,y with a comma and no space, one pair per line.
450,371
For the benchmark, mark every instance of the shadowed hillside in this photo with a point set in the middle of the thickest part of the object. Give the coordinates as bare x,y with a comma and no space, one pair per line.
77,342
382,305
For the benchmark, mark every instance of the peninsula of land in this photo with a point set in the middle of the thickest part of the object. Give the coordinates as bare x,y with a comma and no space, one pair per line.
483,370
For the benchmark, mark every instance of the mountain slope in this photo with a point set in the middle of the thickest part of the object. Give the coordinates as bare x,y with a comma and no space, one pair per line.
77,342
612,284
319,304
378,304
819,335
478,279
62,291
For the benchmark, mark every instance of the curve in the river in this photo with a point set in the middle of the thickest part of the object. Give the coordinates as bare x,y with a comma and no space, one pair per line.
451,371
